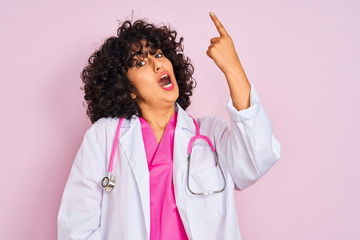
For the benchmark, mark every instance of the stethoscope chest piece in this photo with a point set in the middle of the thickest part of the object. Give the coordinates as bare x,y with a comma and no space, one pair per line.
108,183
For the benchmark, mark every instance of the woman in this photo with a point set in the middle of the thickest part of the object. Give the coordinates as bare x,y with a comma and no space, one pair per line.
141,82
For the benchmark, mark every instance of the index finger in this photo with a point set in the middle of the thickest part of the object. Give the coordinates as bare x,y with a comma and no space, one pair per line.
218,25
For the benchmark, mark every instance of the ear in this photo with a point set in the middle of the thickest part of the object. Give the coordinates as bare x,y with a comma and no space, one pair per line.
133,96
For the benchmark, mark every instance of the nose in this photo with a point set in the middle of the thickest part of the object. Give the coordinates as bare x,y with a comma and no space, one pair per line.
157,64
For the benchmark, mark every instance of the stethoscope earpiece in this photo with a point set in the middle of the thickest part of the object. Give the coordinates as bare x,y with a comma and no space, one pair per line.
108,183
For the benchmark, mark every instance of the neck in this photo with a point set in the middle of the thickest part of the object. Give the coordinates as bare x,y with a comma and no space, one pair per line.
158,118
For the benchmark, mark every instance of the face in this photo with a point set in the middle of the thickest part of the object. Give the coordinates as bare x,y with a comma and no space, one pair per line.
148,76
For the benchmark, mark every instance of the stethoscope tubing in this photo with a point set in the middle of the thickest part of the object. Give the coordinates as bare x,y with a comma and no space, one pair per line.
111,164
109,182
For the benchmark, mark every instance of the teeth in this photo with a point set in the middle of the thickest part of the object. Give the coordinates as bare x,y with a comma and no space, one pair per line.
169,85
164,76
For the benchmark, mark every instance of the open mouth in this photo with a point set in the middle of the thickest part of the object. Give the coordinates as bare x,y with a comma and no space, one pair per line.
165,82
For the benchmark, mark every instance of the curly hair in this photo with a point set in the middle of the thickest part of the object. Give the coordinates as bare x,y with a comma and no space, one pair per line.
106,85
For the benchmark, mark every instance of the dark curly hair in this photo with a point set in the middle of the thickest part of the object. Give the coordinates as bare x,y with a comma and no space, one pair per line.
106,85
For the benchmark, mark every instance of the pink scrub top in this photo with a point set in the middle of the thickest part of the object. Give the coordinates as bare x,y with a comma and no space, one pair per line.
165,221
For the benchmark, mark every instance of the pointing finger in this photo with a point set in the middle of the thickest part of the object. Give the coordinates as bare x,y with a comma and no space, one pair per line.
218,25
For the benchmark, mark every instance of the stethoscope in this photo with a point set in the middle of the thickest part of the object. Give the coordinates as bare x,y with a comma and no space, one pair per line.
108,182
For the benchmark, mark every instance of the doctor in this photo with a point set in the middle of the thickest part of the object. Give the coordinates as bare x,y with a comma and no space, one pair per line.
152,198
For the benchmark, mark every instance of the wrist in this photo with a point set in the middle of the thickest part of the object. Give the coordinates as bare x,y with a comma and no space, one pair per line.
234,71
234,74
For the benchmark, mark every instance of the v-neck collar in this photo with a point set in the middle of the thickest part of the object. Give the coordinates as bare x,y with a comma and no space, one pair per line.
145,124
150,142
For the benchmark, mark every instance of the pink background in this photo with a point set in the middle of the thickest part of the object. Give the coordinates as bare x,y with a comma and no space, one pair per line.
303,57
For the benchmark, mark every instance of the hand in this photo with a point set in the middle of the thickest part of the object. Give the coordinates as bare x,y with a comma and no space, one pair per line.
222,49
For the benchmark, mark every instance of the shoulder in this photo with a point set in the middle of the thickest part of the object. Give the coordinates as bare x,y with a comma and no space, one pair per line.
106,127
100,129
212,125
103,124
211,122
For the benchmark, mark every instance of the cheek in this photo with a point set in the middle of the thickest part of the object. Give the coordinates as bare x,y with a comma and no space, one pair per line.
131,78
170,65
138,81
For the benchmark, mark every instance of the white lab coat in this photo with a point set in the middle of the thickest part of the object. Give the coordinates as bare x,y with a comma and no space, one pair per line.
246,152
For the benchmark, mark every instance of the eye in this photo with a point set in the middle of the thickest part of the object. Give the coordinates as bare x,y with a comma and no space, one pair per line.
139,64
160,54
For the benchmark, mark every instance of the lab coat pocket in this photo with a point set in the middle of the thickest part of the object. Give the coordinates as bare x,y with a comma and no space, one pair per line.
208,206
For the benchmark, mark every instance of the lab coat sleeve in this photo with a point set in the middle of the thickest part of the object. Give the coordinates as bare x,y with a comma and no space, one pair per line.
250,146
79,213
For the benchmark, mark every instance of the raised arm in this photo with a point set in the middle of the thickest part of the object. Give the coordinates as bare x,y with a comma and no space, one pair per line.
222,51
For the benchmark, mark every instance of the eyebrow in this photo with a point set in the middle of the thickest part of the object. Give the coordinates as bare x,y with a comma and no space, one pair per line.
146,52
143,54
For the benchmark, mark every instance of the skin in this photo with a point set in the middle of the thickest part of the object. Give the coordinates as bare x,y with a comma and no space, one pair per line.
222,51
158,105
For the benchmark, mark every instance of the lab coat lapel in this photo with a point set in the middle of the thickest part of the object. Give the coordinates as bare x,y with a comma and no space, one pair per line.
133,146
184,131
